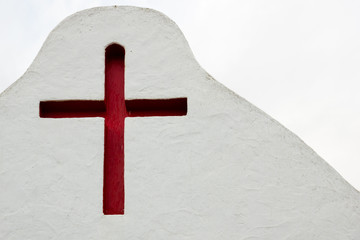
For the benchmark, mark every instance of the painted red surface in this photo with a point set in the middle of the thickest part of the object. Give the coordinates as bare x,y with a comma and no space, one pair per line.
115,109
113,201
156,107
72,109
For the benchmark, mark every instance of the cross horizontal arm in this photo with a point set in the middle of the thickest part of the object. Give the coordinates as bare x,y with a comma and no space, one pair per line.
156,107
72,109
97,108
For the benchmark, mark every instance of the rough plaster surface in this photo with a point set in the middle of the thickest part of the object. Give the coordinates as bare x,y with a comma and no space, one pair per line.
224,171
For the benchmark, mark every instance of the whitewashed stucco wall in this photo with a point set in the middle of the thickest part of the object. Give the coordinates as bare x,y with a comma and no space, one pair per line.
224,171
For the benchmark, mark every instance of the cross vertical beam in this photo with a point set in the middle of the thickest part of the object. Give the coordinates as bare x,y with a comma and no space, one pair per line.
113,201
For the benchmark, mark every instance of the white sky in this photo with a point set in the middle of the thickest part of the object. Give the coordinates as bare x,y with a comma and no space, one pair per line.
298,60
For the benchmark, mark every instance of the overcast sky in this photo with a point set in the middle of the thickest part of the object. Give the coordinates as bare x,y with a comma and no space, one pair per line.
298,60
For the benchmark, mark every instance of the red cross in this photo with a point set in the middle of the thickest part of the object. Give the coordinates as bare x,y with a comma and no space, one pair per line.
114,109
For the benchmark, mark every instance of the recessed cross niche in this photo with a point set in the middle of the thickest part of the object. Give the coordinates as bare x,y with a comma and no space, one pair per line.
114,109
